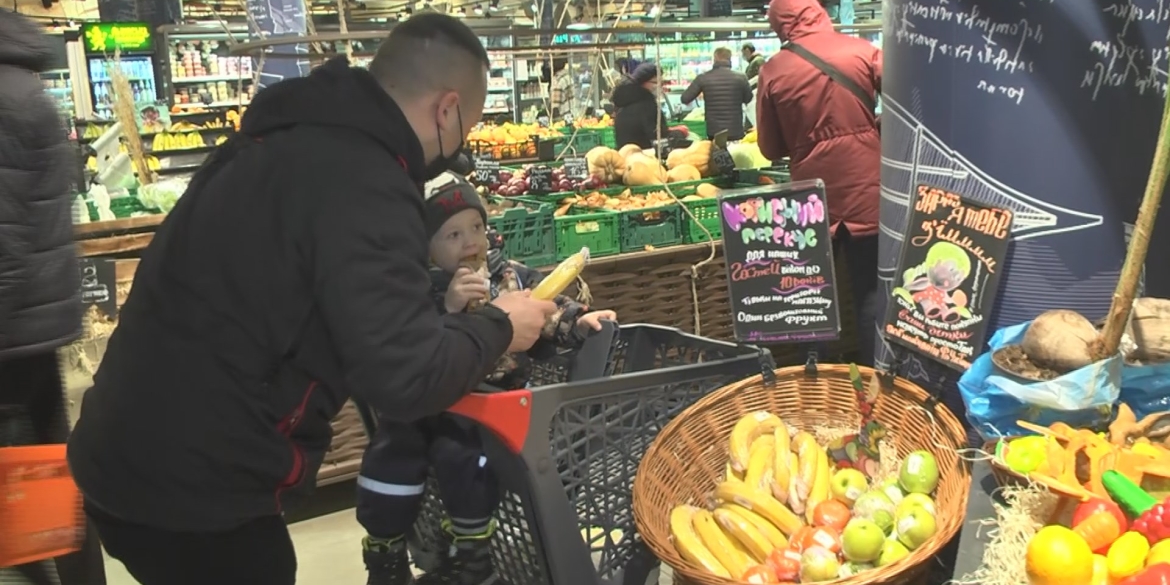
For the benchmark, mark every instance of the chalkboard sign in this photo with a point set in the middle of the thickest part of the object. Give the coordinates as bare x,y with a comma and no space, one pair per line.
540,180
576,167
99,285
780,263
948,276
487,171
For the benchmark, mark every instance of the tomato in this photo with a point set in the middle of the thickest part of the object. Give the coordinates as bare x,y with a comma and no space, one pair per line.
1086,509
832,513
762,574
802,539
786,563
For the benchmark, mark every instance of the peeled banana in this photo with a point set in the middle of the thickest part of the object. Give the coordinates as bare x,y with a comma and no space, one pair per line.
761,503
687,541
769,530
743,531
746,431
759,470
729,554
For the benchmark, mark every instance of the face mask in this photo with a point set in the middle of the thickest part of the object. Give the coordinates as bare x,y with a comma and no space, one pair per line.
459,161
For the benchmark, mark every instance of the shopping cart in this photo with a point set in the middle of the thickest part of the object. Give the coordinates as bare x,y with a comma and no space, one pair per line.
566,517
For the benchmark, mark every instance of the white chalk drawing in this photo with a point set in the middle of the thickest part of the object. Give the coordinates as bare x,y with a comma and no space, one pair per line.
916,155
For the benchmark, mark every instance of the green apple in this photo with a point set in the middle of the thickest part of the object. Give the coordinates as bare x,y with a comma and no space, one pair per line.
852,569
862,540
914,526
818,563
915,500
877,506
891,489
847,485
892,552
919,473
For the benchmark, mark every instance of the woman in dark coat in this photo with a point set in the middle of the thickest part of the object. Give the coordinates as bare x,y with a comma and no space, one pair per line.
637,118
40,306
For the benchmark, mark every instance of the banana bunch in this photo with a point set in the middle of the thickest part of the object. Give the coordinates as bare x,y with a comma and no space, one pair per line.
774,479
177,141
216,123
751,137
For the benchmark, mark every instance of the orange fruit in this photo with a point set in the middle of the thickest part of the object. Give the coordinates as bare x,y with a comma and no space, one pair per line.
1058,556
831,513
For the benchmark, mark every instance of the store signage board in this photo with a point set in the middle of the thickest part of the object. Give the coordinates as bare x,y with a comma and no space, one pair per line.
99,285
540,180
487,171
108,37
779,256
576,167
948,276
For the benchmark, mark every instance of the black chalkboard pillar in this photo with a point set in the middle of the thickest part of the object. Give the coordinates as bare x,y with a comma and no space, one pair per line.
1019,105
277,18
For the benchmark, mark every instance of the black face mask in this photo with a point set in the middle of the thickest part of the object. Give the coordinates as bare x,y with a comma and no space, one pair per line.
459,161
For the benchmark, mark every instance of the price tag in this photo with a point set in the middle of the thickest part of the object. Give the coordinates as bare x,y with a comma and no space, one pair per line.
576,167
540,180
487,172
569,119
542,121
721,162
99,283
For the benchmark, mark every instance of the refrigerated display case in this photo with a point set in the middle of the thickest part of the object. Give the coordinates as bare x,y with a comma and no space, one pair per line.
134,43
197,70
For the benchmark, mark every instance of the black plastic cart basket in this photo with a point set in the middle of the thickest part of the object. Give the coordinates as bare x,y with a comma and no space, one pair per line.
566,517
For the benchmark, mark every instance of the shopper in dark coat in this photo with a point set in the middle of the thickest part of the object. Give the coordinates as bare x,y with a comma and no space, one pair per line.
754,60
291,275
40,305
724,92
830,135
637,116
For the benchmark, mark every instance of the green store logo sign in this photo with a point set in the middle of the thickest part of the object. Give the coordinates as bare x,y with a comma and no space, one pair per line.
107,37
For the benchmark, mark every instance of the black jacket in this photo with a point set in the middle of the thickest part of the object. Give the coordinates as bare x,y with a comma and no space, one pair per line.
637,116
725,91
40,307
291,275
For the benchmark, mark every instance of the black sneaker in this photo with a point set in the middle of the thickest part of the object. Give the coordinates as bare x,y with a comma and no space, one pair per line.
386,562
469,561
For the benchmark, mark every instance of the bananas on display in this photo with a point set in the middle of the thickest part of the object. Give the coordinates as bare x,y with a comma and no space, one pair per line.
728,552
164,141
746,431
682,526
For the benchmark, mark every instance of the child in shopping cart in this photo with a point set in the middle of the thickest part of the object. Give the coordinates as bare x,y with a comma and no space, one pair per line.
467,272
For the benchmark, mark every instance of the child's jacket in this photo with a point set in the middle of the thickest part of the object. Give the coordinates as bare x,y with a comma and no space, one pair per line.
514,370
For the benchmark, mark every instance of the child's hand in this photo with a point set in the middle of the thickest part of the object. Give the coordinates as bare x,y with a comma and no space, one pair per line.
593,320
466,286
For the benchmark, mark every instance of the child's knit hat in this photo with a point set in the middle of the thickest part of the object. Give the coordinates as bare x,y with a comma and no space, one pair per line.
447,195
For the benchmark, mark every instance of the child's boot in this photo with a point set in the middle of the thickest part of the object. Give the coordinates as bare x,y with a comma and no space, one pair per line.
386,561
469,561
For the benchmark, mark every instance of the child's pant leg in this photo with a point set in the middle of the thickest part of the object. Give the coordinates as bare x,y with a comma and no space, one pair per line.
467,484
392,480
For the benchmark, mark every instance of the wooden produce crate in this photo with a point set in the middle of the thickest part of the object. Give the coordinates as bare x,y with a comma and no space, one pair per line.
343,461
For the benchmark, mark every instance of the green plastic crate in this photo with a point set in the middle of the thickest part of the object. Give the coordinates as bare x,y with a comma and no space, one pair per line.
548,149
596,229
698,127
527,230
607,138
122,207
706,213
653,227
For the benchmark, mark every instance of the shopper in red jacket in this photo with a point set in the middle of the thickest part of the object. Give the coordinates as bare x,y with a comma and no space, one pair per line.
830,131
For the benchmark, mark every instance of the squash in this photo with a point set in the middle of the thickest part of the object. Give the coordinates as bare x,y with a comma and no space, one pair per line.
606,164
707,191
629,149
643,170
697,155
683,173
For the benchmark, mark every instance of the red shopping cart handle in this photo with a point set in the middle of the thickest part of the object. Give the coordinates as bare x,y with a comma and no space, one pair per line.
507,414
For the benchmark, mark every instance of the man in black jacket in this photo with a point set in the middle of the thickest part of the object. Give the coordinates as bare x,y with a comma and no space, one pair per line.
724,92
291,275
40,304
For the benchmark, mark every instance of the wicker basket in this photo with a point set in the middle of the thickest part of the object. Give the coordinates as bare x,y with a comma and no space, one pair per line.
688,457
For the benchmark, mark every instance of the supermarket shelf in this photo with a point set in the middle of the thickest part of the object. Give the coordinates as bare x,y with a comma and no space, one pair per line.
500,89
497,110
179,151
221,104
178,170
210,78
149,135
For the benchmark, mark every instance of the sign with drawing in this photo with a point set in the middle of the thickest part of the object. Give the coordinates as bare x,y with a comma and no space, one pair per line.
948,276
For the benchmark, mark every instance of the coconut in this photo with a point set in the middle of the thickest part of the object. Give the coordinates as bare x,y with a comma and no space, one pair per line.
1060,340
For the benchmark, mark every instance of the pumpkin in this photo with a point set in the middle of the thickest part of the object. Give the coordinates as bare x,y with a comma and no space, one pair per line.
683,173
697,155
643,170
707,191
629,150
606,164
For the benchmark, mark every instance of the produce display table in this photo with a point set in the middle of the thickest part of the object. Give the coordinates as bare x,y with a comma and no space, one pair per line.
974,535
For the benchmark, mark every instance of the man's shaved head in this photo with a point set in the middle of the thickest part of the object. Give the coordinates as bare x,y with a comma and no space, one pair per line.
429,52
435,69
